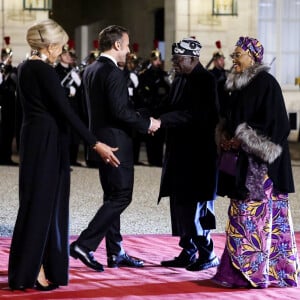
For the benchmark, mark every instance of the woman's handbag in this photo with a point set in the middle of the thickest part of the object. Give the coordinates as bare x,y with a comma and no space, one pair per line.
228,162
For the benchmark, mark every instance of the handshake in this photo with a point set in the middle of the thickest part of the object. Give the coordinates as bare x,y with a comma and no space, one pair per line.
154,125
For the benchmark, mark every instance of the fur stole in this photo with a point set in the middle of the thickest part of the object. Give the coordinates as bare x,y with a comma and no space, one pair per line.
236,81
256,144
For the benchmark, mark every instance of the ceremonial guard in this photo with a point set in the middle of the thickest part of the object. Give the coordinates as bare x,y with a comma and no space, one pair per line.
71,81
220,74
131,71
8,83
154,89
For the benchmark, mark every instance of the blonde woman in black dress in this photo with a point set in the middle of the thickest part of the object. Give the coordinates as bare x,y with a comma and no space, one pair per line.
39,255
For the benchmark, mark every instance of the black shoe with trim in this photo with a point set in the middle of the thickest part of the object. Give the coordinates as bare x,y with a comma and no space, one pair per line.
203,264
124,260
182,261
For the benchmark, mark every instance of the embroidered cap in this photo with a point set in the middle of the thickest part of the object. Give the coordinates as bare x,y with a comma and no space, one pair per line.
187,46
252,45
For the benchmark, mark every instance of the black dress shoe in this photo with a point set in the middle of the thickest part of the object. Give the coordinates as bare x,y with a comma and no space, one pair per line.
124,260
202,264
45,288
85,256
181,261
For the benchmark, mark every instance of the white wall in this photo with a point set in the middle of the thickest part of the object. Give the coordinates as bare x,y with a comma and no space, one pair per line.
14,23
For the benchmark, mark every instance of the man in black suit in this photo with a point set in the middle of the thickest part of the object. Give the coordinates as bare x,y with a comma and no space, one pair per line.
112,120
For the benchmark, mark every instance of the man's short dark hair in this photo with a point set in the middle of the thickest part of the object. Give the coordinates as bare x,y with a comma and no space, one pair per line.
109,35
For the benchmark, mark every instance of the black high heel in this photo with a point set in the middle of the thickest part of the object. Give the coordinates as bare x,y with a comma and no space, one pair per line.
44,288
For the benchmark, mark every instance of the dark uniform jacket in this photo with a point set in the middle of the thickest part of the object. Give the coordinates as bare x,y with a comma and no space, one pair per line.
7,111
153,89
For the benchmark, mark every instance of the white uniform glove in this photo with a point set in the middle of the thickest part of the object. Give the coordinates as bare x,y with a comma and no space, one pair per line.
130,91
72,91
134,79
76,78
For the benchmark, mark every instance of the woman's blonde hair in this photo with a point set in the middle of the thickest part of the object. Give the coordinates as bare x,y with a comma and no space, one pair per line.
40,35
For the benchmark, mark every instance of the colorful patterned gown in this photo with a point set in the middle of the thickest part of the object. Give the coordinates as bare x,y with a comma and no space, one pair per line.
260,246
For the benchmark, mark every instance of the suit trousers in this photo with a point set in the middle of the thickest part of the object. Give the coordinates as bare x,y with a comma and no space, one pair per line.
188,222
117,185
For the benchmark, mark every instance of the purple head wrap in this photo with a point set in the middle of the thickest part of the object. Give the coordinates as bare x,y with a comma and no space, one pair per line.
252,45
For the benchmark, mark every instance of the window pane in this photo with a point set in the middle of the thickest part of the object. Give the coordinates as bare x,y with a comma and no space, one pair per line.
291,9
268,36
278,31
267,9
291,68
290,40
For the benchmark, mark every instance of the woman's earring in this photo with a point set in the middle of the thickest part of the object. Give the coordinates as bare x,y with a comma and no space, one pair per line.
43,57
35,52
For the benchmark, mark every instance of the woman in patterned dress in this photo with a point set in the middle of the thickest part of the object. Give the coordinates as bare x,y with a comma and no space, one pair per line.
260,249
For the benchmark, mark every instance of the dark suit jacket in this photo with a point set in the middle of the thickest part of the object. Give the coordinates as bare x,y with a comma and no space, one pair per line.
110,114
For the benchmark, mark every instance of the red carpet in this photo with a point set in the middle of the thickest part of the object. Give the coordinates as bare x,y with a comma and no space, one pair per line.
152,282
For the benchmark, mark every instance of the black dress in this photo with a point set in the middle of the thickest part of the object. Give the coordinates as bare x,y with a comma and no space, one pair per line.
41,230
